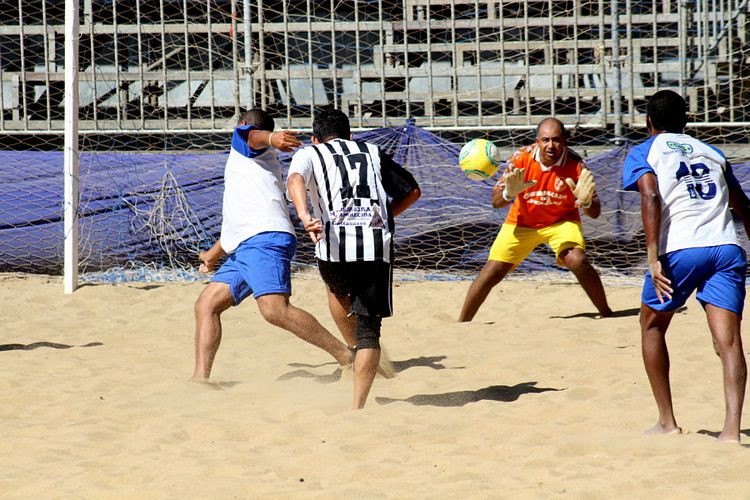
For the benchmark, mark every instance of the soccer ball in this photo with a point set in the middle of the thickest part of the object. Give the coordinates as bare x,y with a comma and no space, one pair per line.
479,159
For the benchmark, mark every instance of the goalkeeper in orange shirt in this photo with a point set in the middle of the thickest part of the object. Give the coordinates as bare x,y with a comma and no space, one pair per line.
546,183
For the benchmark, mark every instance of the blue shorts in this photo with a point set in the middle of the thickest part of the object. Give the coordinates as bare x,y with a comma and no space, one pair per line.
718,273
260,265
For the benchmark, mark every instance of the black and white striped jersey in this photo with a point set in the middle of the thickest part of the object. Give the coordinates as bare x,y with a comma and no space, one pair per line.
350,183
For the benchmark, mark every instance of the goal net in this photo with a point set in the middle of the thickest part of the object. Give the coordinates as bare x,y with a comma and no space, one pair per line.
162,84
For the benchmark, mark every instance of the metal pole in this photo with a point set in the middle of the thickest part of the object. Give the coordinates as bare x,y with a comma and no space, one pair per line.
165,82
22,47
141,80
430,101
406,64
211,80
186,41
235,61
334,76
682,51
478,62
116,60
617,97
309,63
382,61
246,13
70,153
47,53
286,65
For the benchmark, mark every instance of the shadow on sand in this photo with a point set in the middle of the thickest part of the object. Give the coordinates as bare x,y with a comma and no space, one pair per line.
634,311
36,345
595,315
461,398
433,362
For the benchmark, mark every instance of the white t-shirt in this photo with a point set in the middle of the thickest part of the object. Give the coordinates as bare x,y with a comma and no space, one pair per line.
254,199
693,188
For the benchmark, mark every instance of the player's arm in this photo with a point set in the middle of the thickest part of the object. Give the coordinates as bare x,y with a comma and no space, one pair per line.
295,187
283,140
210,257
300,171
738,200
399,206
399,184
651,215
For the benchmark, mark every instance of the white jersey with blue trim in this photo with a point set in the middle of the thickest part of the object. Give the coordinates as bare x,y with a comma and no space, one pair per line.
693,188
254,199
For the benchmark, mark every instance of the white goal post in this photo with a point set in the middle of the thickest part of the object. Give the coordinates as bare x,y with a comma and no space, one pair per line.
70,225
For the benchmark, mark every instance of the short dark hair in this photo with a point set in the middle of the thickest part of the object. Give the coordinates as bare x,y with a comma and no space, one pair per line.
331,124
257,118
553,120
667,111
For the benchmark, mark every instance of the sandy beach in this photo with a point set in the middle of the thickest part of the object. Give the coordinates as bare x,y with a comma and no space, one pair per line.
534,399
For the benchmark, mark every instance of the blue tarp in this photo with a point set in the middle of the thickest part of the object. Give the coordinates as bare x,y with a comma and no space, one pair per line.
162,208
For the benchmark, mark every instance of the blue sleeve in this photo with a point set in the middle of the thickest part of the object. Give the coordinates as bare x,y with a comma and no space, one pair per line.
635,166
728,173
717,150
239,142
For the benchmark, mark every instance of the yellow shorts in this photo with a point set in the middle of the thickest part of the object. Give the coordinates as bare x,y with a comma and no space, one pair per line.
513,244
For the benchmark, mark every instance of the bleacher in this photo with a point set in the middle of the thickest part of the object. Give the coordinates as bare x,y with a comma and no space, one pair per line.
445,63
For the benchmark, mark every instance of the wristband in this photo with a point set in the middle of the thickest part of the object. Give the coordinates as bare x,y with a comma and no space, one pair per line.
506,197
269,139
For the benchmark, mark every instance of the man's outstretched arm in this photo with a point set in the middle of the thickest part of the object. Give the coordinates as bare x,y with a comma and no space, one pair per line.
283,140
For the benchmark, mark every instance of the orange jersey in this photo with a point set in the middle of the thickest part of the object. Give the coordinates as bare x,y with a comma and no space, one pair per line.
550,200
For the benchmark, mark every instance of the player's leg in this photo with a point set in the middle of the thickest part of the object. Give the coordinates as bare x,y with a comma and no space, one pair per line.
340,306
723,296
371,296
684,270
511,246
276,309
566,240
265,263
491,274
215,299
367,358
725,330
339,303
654,326
575,259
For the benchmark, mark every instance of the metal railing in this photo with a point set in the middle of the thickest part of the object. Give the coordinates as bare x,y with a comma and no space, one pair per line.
156,67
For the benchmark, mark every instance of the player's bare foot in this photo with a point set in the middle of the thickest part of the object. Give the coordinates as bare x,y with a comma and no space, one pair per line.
726,437
664,429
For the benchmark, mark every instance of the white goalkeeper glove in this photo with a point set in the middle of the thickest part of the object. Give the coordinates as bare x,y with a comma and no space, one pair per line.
584,189
514,183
